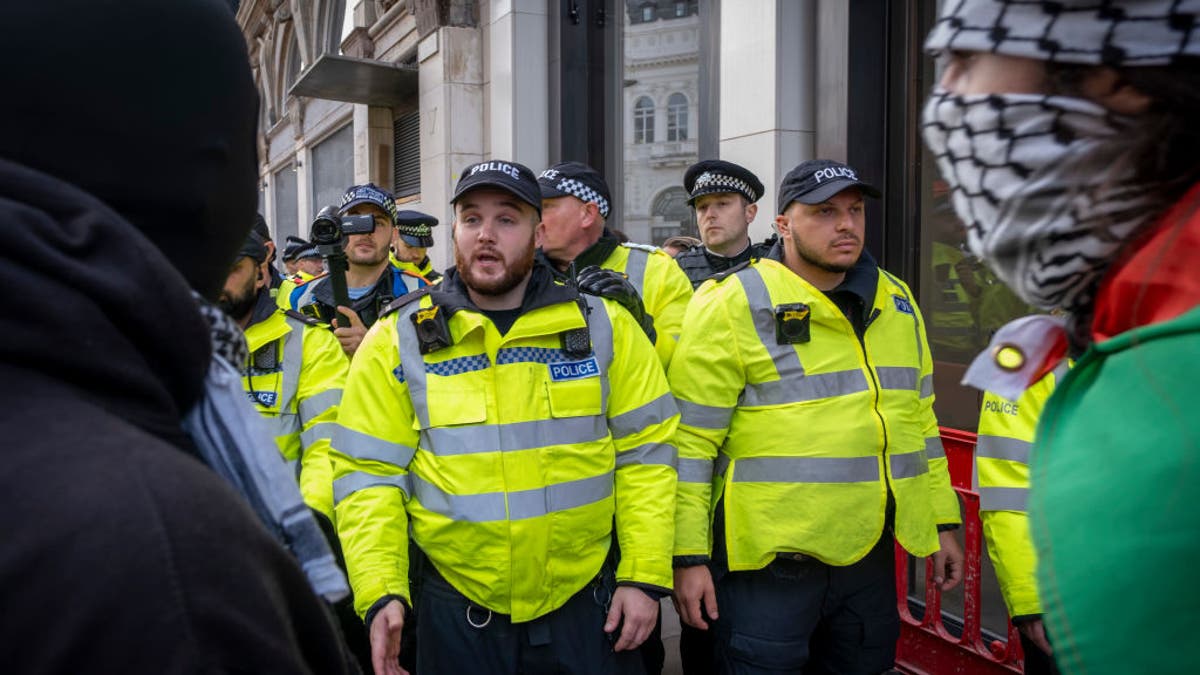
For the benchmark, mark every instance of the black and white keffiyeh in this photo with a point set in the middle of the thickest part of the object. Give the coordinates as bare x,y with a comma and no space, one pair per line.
1107,32
236,443
1043,186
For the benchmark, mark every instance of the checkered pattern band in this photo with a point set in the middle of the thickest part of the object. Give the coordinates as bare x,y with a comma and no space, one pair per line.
1109,32
710,182
531,355
583,193
458,366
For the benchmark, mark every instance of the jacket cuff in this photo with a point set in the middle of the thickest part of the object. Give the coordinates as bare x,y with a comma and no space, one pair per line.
656,593
947,527
379,604
689,561
1025,618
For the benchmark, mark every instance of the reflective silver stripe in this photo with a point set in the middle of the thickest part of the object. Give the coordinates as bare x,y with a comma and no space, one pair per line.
648,453
803,388
934,448
926,386
313,406
703,416
635,269
600,328
413,363
695,470
363,446
898,377
293,356
916,324
806,470
1002,447
909,465
350,483
1003,498
559,497
283,425
654,412
316,432
490,506
476,438
787,361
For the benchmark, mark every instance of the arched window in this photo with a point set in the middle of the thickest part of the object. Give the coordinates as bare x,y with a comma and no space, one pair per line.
332,21
677,217
677,117
292,72
643,120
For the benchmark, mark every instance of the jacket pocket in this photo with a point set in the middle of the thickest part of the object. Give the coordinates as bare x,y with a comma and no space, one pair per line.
574,398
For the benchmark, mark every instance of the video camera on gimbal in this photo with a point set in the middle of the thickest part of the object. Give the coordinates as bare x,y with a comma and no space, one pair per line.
329,232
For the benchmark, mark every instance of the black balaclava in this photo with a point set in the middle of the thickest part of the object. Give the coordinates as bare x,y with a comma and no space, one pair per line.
147,105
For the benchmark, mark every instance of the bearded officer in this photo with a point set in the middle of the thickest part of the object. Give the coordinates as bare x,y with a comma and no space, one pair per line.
508,423
807,440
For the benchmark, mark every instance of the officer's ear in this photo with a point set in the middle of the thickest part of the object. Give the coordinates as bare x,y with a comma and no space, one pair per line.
751,212
591,215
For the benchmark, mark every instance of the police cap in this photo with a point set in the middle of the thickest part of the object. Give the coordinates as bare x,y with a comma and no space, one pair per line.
298,248
511,177
254,247
578,180
713,176
368,194
817,180
416,228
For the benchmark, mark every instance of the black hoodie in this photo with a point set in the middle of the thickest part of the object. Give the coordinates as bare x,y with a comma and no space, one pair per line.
121,552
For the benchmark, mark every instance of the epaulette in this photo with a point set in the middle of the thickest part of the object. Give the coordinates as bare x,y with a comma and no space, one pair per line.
405,299
721,276
642,247
303,318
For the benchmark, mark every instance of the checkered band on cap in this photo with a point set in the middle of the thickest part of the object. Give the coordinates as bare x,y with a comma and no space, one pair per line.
1108,32
583,193
711,181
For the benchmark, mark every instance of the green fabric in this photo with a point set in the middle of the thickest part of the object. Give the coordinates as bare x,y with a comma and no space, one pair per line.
1116,478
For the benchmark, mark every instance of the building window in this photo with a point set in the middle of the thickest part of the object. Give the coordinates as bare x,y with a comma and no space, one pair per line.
286,216
671,216
681,9
406,154
643,120
647,13
677,117
332,168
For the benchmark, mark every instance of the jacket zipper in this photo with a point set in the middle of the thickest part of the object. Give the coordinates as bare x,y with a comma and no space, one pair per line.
862,343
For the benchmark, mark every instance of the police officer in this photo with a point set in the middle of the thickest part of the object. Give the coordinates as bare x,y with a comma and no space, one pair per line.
1006,431
414,236
300,258
813,423
506,422
294,377
576,205
295,373
723,195
373,282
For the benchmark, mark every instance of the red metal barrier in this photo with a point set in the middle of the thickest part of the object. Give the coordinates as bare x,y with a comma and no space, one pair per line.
926,646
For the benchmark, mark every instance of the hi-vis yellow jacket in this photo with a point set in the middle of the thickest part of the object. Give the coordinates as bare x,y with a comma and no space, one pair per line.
664,288
295,378
805,440
1006,432
508,455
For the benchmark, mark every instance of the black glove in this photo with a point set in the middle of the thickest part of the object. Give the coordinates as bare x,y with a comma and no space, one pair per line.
615,286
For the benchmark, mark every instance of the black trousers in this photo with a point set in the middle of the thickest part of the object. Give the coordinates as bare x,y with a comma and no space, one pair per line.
456,636
806,617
